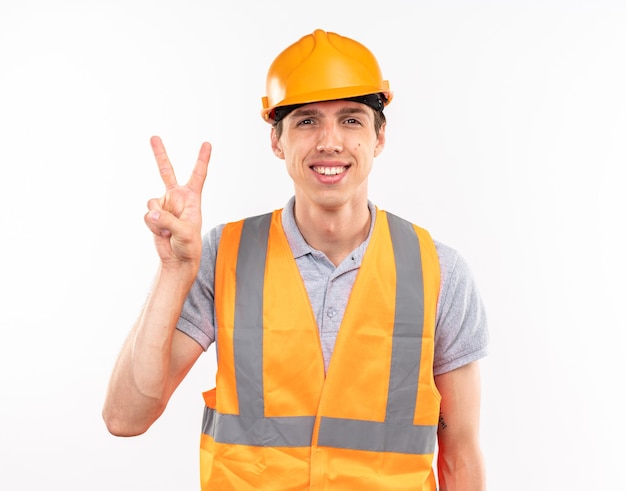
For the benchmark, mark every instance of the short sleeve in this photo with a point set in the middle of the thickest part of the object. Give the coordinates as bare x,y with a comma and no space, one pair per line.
197,318
461,333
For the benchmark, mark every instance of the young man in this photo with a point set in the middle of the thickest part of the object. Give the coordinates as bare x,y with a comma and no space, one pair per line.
348,339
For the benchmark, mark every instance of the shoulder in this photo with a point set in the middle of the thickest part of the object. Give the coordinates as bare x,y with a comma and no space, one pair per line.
211,239
451,263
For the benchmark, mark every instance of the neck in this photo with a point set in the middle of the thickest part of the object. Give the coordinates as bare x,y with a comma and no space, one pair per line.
335,232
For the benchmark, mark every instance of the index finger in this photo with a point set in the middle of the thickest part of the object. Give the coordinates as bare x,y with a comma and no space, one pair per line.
198,175
165,166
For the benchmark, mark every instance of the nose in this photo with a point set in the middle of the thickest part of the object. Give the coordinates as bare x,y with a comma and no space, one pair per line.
329,139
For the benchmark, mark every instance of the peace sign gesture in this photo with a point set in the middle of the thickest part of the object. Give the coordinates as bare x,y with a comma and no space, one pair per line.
175,219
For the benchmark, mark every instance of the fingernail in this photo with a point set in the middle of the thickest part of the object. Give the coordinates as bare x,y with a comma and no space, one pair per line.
154,215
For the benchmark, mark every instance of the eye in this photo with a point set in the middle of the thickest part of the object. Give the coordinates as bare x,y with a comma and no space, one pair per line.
304,122
352,121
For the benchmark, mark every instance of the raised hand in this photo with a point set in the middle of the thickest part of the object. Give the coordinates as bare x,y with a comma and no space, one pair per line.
175,219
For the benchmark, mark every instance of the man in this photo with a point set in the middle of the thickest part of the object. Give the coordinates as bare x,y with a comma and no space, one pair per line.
300,402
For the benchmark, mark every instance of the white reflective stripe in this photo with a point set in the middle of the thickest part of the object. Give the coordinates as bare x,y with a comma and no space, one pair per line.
408,322
290,431
377,437
248,328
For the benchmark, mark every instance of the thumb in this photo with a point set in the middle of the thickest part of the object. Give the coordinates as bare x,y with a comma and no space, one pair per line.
160,222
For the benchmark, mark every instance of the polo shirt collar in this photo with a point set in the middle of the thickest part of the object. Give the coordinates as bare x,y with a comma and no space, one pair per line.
296,241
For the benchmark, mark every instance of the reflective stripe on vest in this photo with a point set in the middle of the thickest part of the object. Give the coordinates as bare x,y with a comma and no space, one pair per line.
250,427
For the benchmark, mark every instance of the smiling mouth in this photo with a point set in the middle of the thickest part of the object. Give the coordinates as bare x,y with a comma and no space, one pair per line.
330,171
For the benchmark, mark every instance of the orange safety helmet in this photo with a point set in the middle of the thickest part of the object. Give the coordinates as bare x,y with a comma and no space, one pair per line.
322,66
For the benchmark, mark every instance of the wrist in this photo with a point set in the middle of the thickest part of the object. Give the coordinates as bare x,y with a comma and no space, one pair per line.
178,275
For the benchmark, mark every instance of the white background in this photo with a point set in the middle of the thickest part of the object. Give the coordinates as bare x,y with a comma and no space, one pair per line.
506,139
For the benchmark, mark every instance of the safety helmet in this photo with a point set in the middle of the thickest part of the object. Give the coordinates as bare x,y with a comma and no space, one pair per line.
322,66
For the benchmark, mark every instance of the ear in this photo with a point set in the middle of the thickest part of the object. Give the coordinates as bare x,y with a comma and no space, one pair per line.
380,143
276,146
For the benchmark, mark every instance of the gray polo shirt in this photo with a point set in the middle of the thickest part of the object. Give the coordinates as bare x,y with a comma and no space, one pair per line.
461,334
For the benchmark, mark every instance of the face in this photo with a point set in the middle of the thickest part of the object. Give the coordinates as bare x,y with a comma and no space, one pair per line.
329,150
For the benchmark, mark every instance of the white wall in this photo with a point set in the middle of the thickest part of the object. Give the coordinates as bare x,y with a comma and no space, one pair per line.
506,139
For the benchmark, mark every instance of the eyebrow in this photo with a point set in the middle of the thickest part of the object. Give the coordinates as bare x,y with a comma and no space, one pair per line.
316,112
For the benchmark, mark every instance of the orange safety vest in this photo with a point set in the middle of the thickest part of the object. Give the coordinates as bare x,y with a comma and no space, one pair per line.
274,421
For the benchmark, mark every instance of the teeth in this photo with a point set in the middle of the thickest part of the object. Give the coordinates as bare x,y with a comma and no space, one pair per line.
329,171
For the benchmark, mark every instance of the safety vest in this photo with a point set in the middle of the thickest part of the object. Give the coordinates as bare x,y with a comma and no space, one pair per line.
275,422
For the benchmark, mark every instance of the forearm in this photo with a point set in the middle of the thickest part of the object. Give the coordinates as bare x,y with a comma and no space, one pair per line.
461,472
460,461
141,383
